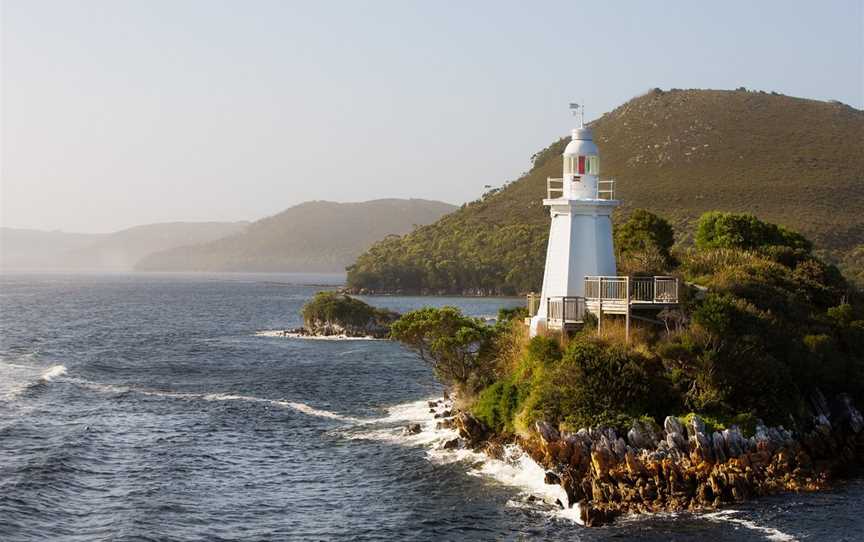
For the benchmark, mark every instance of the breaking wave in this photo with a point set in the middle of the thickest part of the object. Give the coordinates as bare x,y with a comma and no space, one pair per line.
289,335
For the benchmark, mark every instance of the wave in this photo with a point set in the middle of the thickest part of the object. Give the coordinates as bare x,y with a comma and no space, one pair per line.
25,380
53,372
289,335
769,532
516,469
299,407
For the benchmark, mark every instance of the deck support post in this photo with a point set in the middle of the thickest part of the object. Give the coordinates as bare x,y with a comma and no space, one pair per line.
627,313
599,303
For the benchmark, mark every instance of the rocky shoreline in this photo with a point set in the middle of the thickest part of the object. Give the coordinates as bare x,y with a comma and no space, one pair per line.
681,466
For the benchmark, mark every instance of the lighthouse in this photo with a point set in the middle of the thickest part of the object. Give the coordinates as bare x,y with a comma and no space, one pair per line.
580,234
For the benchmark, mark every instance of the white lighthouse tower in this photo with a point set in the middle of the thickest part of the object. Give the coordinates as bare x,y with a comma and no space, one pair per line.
580,236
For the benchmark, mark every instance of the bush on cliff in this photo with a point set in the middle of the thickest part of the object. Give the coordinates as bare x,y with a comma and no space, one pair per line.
460,348
339,312
596,383
744,231
643,244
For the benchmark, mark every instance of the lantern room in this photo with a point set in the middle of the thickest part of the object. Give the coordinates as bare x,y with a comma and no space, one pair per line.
580,155
581,166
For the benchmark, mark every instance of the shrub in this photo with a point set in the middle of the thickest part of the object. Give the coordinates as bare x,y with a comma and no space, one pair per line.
596,384
497,405
344,309
643,243
744,231
459,348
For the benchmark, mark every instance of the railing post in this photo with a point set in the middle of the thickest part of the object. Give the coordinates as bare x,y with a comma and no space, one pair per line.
627,313
599,303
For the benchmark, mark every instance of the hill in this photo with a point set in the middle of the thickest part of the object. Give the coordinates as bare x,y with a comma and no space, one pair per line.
678,153
118,251
36,249
312,236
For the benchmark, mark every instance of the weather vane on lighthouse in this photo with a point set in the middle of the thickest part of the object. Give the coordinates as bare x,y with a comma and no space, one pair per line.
578,109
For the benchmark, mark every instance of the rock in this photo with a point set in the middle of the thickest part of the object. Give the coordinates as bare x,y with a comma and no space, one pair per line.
619,448
695,425
433,404
445,424
411,429
546,431
551,478
451,444
602,459
702,447
593,516
674,425
494,449
718,445
845,414
734,441
471,429
445,414
676,441
644,434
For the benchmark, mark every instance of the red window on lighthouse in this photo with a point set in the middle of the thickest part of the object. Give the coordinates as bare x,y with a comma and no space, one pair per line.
581,165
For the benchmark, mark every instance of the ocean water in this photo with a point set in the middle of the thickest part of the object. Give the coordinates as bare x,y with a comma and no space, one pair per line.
162,407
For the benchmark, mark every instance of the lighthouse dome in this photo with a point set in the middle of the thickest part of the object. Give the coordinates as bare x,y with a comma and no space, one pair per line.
581,143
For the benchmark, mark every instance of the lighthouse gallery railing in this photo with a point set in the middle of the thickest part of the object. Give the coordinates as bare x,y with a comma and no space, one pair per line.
605,188
659,289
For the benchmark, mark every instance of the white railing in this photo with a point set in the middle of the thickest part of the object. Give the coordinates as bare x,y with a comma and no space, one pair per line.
606,189
554,188
561,311
661,289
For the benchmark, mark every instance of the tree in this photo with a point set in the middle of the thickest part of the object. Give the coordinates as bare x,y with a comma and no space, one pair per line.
643,243
744,231
459,348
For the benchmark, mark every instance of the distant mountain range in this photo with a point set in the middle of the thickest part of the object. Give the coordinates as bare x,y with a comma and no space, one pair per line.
22,249
678,153
312,236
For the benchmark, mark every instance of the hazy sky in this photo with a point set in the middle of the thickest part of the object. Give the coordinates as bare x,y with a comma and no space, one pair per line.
117,113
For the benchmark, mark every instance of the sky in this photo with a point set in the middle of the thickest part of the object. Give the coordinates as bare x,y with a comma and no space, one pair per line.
117,113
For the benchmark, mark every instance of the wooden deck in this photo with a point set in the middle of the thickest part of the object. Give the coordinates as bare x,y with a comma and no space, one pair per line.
610,295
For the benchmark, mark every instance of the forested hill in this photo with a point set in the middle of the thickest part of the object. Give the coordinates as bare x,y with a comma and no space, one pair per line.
678,153
312,236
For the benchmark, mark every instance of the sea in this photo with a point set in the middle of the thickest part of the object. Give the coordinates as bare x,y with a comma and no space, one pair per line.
171,407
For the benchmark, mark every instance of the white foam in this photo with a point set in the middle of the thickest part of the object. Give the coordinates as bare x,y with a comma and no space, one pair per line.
53,372
769,532
288,335
517,469
306,409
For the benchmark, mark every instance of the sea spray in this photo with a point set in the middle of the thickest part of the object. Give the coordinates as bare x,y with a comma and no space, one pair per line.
53,372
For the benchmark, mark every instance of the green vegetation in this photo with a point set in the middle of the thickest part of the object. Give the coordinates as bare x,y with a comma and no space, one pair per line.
344,310
680,154
764,323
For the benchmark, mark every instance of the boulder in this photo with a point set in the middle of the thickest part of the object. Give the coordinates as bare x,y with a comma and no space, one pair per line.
702,447
546,431
451,444
644,434
676,441
734,441
411,429
470,428
718,447
695,425
551,478
673,425
846,415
